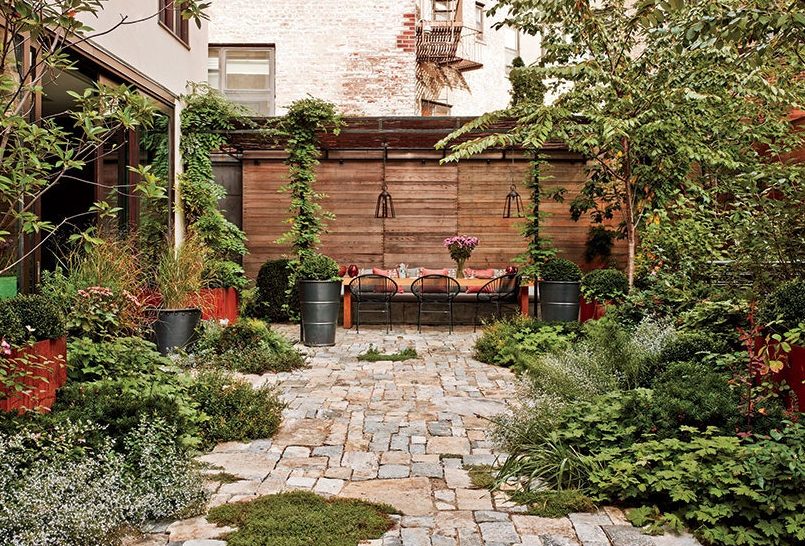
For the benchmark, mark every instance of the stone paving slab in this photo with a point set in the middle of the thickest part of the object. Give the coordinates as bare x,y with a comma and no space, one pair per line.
400,433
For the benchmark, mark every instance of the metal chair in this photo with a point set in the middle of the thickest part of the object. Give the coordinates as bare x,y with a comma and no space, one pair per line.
500,291
373,290
435,290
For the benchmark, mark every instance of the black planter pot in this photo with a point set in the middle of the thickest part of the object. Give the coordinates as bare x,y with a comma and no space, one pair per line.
559,301
175,328
320,303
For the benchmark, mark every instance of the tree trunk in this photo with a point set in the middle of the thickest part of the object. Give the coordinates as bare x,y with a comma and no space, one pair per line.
628,212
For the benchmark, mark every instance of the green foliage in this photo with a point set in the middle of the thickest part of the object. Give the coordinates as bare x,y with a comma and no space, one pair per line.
691,346
10,325
235,411
65,486
559,269
554,504
300,128
179,274
39,316
481,476
89,360
721,318
206,118
503,342
728,490
604,285
247,346
525,85
300,518
317,267
374,355
693,394
273,297
647,122
599,244
784,308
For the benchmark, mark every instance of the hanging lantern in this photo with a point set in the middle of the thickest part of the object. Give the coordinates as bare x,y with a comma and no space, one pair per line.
514,204
385,203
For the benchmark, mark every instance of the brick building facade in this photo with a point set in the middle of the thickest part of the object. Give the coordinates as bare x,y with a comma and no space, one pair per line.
378,58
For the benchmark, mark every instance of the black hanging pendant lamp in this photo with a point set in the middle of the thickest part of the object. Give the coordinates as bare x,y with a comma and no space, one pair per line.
385,203
514,203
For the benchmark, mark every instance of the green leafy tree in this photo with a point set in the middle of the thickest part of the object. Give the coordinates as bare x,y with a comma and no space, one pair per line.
654,94
37,154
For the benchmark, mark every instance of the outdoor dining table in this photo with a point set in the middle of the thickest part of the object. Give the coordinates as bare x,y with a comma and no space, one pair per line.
405,285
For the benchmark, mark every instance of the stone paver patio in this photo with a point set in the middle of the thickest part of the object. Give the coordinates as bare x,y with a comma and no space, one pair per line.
401,433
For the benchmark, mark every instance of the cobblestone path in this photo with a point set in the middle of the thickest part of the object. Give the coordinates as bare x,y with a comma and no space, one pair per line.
400,433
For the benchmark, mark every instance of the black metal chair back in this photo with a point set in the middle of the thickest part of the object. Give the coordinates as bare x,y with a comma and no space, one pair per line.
373,289
500,290
435,289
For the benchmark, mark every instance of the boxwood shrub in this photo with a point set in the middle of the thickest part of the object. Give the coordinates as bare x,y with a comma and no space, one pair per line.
39,316
272,286
604,285
559,269
785,306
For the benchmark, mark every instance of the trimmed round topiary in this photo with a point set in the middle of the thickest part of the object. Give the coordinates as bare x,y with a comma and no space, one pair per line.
317,267
604,285
40,316
785,306
560,270
243,334
11,329
272,292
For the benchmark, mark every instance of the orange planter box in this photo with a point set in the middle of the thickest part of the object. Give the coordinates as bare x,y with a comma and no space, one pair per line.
46,364
219,304
590,310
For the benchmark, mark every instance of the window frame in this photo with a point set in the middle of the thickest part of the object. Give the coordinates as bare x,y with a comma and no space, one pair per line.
454,8
237,95
513,53
170,18
480,25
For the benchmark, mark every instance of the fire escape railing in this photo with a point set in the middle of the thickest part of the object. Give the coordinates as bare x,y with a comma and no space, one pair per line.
446,43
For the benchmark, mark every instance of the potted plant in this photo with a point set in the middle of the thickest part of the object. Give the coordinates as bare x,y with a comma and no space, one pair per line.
223,280
599,288
320,298
559,290
179,281
33,351
783,313
460,248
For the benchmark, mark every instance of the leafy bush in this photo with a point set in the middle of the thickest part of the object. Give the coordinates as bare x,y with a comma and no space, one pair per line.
119,408
691,346
692,394
503,340
247,346
785,306
317,267
235,410
604,285
224,274
559,269
722,318
728,490
66,486
272,292
39,315
11,329
99,313
88,360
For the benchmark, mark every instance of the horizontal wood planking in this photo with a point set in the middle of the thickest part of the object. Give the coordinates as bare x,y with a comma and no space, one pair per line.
432,202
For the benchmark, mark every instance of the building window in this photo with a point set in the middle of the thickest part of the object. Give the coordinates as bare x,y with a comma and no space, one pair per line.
170,15
480,18
445,10
511,39
245,74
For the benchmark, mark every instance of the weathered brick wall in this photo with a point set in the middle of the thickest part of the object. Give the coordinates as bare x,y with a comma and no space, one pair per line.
358,54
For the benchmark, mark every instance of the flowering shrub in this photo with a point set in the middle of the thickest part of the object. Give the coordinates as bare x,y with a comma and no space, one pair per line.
69,487
100,313
461,246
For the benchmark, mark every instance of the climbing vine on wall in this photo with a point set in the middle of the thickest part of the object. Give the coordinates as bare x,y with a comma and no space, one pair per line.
300,129
206,118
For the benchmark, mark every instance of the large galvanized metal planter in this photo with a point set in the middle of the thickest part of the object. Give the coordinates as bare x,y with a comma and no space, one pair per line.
175,328
559,300
320,303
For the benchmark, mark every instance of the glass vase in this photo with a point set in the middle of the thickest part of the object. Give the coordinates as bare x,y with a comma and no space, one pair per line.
460,268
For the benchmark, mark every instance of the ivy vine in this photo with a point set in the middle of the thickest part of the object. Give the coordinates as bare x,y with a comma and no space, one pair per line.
206,119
